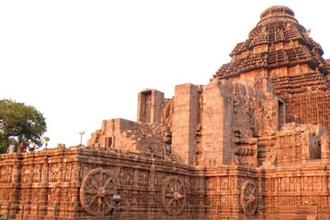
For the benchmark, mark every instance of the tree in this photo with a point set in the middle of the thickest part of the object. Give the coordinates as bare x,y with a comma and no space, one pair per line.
46,140
21,123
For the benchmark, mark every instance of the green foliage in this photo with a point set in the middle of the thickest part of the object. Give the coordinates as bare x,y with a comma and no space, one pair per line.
46,139
3,143
21,122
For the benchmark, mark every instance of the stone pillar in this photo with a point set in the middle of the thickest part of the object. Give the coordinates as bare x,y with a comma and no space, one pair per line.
185,119
43,197
151,191
149,106
135,188
28,198
325,144
15,180
216,123
15,183
76,178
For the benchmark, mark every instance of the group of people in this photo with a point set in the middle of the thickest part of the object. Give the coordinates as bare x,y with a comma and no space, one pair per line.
21,147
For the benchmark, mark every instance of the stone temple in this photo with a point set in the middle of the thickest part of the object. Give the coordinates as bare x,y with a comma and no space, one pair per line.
253,143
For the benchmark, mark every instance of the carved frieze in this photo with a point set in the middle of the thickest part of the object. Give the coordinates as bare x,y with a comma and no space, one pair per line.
174,195
97,192
249,197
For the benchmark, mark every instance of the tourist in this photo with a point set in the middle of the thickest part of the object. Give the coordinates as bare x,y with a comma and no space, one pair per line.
32,146
20,148
11,148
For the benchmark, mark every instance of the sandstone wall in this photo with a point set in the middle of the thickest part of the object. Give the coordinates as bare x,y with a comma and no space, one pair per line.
57,183
150,102
297,190
185,122
215,134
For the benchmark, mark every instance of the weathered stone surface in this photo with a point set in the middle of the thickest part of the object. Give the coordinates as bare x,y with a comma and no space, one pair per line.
253,142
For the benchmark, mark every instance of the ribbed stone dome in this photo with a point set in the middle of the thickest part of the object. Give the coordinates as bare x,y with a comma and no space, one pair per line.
278,40
275,17
277,11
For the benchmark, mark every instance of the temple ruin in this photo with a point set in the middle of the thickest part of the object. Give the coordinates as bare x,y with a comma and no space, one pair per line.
253,143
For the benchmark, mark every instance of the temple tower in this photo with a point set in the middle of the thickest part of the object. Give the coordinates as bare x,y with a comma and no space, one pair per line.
282,50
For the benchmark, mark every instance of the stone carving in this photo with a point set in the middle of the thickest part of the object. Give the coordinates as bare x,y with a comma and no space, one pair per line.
174,195
96,192
253,141
249,197
270,159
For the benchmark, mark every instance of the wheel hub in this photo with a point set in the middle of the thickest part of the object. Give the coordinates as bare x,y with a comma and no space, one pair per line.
252,198
101,192
177,195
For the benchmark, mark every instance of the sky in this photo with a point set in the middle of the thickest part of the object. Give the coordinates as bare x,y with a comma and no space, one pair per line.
80,62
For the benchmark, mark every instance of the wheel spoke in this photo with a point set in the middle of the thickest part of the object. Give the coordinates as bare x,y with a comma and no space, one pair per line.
99,204
92,201
100,177
170,202
90,191
106,183
105,207
90,187
176,207
109,205
176,186
94,184
180,187
169,195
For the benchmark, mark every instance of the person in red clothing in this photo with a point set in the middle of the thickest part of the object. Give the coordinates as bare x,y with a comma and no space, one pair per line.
20,148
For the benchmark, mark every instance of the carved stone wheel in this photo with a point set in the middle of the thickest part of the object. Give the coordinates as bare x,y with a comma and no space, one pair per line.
96,192
249,200
174,195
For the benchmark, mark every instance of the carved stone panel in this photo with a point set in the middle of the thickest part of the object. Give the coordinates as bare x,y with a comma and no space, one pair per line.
249,201
174,195
96,192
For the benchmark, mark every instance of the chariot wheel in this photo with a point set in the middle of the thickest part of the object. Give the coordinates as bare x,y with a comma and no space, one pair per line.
249,200
174,195
96,192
